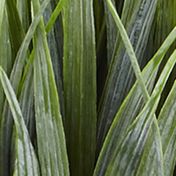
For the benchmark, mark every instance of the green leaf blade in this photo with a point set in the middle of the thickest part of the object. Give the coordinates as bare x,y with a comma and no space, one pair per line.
79,73
52,153
137,21
27,163
168,133
118,130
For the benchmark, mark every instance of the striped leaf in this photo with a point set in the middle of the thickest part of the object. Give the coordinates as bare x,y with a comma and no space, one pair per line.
137,20
24,9
55,41
111,32
5,53
162,25
50,134
2,5
121,156
167,123
79,74
16,76
26,161
152,158
15,27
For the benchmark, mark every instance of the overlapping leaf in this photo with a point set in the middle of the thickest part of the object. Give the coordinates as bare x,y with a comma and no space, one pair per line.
24,9
122,155
15,27
16,76
111,32
55,41
137,16
162,25
52,152
137,142
167,123
26,161
151,162
115,148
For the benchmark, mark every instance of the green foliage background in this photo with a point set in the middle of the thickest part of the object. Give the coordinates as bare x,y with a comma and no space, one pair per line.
87,87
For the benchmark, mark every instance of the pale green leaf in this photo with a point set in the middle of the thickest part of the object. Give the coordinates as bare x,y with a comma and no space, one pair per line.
167,123
27,163
152,158
2,5
16,76
52,152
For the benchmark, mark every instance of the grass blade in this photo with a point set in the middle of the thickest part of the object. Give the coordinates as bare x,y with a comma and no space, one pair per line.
54,15
15,27
54,29
24,9
27,163
26,97
116,89
52,152
132,105
80,85
48,118
5,53
16,76
152,150
111,32
167,124
2,5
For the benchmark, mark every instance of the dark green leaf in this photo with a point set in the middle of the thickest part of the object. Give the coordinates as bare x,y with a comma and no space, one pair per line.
79,74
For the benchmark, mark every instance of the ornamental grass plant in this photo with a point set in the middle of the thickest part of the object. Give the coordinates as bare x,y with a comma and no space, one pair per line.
87,87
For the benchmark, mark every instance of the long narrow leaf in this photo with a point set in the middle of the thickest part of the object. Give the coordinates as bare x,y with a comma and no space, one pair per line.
24,9
27,163
2,5
111,32
131,106
15,27
16,76
52,152
137,20
152,159
167,123
80,85
5,53
54,29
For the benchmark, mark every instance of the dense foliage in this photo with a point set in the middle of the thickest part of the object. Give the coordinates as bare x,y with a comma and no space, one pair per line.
87,87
